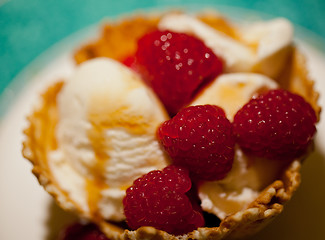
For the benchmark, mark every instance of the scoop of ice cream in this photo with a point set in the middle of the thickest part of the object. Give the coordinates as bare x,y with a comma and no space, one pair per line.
260,47
242,185
106,136
248,175
231,91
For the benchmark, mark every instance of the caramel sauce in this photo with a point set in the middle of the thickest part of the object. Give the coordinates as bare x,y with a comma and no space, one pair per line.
93,189
221,24
101,122
97,183
124,187
50,113
119,119
44,127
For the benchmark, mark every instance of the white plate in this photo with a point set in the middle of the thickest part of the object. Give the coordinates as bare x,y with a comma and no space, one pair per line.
28,212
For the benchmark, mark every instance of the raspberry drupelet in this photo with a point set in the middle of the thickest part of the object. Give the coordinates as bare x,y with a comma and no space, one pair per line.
175,65
277,125
201,139
159,199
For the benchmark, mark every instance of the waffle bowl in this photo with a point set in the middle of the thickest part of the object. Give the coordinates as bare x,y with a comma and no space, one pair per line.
117,41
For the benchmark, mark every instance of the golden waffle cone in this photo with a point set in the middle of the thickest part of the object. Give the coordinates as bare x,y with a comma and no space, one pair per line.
40,139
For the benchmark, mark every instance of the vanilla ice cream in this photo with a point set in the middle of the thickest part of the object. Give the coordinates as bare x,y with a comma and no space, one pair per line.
260,47
232,90
106,136
248,175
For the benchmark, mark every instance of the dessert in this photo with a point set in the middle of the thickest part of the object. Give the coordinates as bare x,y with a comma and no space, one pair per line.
94,142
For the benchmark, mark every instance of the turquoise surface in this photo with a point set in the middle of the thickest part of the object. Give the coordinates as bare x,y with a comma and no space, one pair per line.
28,28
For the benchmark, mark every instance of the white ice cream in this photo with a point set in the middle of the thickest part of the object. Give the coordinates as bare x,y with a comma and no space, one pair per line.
248,175
242,185
106,136
261,47
230,91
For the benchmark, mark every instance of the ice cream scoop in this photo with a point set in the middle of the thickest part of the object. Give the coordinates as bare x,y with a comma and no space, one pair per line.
232,90
105,136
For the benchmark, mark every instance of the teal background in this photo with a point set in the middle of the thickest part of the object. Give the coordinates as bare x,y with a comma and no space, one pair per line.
29,27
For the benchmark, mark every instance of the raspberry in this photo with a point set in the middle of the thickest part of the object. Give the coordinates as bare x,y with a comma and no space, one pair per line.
176,66
277,124
80,231
130,61
201,139
158,199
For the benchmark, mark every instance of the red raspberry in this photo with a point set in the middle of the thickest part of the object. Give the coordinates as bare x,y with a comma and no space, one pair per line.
158,199
130,61
80,231
176,65
277,125
201,139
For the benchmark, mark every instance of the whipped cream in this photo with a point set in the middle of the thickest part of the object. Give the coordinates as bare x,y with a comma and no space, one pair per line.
248,175
106,136
261,47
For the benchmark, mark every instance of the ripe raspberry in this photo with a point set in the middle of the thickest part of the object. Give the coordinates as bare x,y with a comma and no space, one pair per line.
277,125
130,61
176,65
201,139
159,199
80,231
